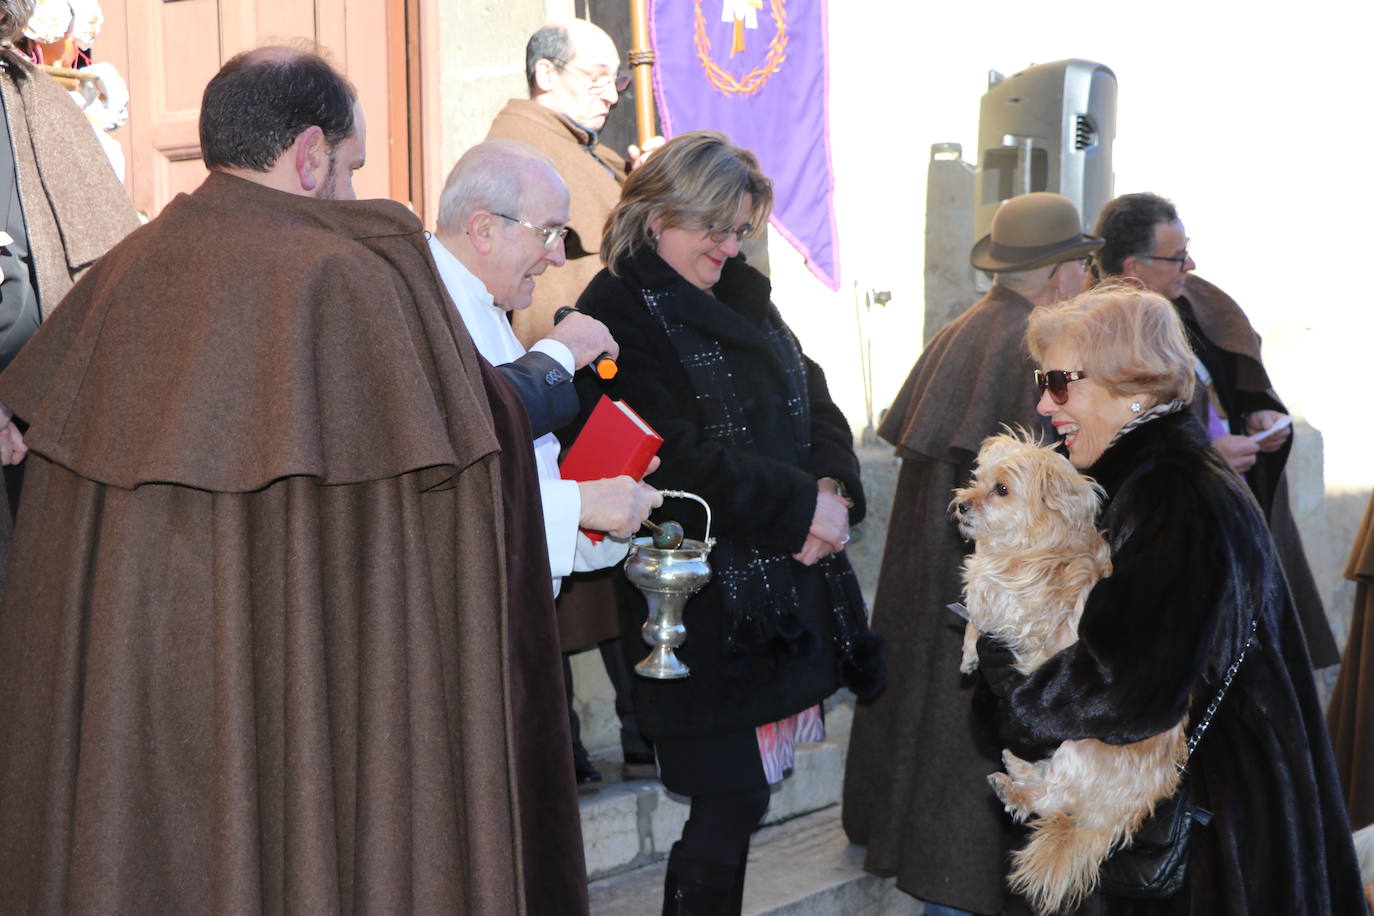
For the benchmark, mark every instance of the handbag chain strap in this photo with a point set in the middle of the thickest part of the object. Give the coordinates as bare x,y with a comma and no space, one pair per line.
1212,707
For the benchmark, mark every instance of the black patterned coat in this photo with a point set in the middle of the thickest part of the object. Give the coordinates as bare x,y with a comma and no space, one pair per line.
761,496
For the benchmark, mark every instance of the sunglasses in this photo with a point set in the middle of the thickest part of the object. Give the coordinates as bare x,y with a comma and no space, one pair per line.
1057,381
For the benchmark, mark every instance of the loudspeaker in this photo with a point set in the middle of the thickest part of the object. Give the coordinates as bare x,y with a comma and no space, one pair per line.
1048,128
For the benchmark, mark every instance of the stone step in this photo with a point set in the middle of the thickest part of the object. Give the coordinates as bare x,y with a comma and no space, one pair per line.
800,867
630,823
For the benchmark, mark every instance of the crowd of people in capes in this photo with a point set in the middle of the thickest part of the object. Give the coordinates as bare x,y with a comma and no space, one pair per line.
301,505
1197,616
306,505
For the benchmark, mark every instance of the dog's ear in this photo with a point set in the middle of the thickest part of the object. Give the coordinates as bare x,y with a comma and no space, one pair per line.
1052,486
1063,490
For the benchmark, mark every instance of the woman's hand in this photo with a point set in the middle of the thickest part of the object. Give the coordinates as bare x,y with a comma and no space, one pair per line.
829,525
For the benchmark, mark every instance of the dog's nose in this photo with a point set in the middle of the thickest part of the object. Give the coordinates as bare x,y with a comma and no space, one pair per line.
963,508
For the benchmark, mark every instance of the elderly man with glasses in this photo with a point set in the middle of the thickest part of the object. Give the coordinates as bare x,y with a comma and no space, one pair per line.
915,788
575,78
502,219
1143,238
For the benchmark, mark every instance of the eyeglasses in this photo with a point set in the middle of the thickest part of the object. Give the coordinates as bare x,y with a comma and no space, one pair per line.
739,232
1179,259
1086,264
1057,381
551,234
598,83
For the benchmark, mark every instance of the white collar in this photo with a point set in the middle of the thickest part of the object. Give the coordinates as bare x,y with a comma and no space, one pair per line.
485,320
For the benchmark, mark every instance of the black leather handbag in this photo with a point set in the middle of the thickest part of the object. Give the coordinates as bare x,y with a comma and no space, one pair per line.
1156,862
1155,865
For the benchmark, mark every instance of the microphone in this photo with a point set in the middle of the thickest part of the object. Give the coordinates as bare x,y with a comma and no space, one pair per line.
604,367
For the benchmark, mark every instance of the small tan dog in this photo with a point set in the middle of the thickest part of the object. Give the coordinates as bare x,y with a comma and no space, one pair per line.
1037,554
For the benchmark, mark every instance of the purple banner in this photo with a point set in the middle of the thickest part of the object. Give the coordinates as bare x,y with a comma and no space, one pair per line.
757,71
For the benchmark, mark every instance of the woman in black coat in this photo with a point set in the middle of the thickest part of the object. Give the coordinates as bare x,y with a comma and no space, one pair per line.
1193,570
748,425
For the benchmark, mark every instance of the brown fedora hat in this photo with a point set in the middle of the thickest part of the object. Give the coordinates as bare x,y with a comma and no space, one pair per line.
1033,230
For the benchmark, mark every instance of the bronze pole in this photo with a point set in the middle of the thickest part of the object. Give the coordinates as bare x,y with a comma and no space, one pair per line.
641,60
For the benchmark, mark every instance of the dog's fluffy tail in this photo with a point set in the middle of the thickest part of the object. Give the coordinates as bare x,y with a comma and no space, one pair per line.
1058,868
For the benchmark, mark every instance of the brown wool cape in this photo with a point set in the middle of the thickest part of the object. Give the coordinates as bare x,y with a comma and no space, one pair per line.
1351,714
1224,323
264,646
75,208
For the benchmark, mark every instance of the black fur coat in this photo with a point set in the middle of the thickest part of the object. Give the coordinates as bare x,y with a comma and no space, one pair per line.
1193,562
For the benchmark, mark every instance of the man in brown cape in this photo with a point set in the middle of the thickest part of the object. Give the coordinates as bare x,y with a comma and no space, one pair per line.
915,790
270,641
1144,239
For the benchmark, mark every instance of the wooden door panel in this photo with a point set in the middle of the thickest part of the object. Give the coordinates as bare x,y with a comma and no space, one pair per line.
174,50
350,30
278,21
171,49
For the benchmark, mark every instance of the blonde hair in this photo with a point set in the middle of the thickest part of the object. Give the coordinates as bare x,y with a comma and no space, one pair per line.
695,180
1128,339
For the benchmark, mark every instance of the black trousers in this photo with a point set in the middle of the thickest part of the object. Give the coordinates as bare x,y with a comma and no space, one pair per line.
718,827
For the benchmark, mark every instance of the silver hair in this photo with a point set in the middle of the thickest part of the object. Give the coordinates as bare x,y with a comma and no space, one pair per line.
1026,281
491,176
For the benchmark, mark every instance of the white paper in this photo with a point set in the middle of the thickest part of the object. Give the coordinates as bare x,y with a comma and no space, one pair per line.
1282,422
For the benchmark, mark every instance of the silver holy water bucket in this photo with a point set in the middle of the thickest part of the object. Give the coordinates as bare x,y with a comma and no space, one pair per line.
668,577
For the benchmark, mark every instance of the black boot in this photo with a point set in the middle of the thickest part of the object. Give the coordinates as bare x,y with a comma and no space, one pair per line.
700,888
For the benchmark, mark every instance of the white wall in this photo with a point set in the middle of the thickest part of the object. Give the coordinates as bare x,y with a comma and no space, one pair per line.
1251,117
1246,118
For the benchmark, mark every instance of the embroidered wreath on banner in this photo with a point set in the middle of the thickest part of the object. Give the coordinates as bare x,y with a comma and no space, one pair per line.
752,81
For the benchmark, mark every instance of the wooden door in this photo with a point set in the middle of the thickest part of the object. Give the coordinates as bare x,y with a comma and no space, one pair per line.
169,49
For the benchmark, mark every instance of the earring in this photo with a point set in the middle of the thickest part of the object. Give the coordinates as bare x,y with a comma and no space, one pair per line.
1135,407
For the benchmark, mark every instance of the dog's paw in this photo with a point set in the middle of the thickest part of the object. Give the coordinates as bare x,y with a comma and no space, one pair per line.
1024,771
1018,799
1004,789
968,662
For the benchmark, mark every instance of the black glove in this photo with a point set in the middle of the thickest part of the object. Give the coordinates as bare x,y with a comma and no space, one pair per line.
1000,679
996,663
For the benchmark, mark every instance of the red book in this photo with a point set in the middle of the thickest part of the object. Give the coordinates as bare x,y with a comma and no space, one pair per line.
614,441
